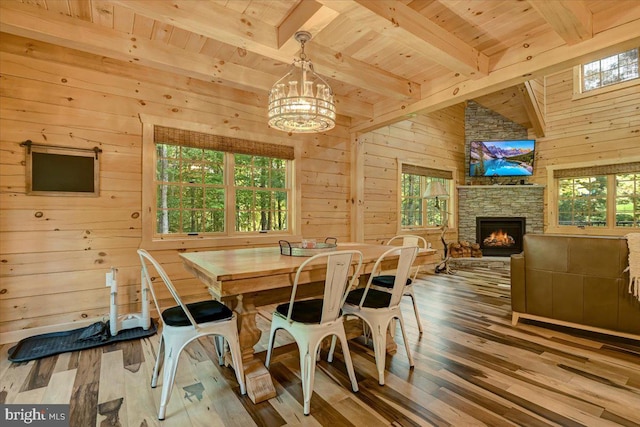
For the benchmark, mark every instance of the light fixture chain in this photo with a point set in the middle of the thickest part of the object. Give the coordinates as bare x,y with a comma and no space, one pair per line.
303,56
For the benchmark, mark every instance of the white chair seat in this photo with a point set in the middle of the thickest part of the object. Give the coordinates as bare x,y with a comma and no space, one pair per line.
202,312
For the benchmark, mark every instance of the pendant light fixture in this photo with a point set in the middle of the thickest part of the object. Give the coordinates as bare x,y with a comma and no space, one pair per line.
302,101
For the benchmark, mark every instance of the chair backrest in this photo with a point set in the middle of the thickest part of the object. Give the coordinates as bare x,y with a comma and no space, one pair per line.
405,261
146,281
411,240
339,266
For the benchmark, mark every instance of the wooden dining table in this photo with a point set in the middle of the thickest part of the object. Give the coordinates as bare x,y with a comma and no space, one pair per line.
247,278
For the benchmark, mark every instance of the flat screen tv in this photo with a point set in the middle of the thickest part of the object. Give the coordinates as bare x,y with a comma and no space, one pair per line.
502,158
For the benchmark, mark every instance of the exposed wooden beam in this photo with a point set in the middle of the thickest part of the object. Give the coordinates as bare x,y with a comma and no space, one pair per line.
309,16
419,5
353,108
211,20
117,45
68,32
447,92
407,27
532,107
39,24
572,20
198,17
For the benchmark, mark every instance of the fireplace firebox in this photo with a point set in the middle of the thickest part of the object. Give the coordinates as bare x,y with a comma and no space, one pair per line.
500,236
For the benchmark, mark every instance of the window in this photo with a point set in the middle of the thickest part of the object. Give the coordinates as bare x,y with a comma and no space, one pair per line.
628,200
605,72
190,190
261,193
583,201
212,186
416,212
602,197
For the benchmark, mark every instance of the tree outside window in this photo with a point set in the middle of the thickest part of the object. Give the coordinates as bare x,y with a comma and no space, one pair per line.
628,200
261,196
189,190
583,201
193,198
416,212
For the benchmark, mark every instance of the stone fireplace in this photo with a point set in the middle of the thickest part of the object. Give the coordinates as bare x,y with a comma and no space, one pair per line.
496,198
516,205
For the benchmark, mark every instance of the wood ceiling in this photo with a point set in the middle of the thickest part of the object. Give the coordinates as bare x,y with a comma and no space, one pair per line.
385,59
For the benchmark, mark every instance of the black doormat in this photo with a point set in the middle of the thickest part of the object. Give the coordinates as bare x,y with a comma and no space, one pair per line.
90,336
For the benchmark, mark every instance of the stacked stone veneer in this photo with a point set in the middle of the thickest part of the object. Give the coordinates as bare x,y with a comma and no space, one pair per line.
483,124
499,201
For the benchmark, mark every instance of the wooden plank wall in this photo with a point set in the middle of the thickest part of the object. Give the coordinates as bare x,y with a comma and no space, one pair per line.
603,129
435,140
55,251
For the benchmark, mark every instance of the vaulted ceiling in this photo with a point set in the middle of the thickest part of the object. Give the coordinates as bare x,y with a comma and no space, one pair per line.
385,59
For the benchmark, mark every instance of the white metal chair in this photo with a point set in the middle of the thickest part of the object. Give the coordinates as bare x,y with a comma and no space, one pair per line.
310,321
386,280
378,308
184,323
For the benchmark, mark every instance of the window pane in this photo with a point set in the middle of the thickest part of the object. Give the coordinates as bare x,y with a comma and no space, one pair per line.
192,173
591,68
214,198
261,196
214,174
592,82
196,177
191,221
610,70
190,153
168,170
213,221
192,197
168,221
168,196
411,213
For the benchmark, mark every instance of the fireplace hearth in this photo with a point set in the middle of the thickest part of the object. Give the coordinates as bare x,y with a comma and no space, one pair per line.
500,236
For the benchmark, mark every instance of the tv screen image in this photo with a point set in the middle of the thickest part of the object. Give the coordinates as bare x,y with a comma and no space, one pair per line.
502,158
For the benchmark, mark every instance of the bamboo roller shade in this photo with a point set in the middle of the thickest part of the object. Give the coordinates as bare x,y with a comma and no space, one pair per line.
597,170
188,138
424,171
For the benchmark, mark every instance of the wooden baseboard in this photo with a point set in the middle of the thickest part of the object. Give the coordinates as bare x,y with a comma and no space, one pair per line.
516,316
15,336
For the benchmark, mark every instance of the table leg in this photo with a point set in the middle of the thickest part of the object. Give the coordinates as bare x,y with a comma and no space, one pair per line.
258,379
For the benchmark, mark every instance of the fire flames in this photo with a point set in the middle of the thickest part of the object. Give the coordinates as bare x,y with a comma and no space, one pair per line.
499,238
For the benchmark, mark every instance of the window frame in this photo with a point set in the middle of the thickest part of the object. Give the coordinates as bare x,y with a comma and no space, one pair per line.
578,79
553,227
150,238
450,202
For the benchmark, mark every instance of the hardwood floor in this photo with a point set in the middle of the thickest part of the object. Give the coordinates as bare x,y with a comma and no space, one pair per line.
472,368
